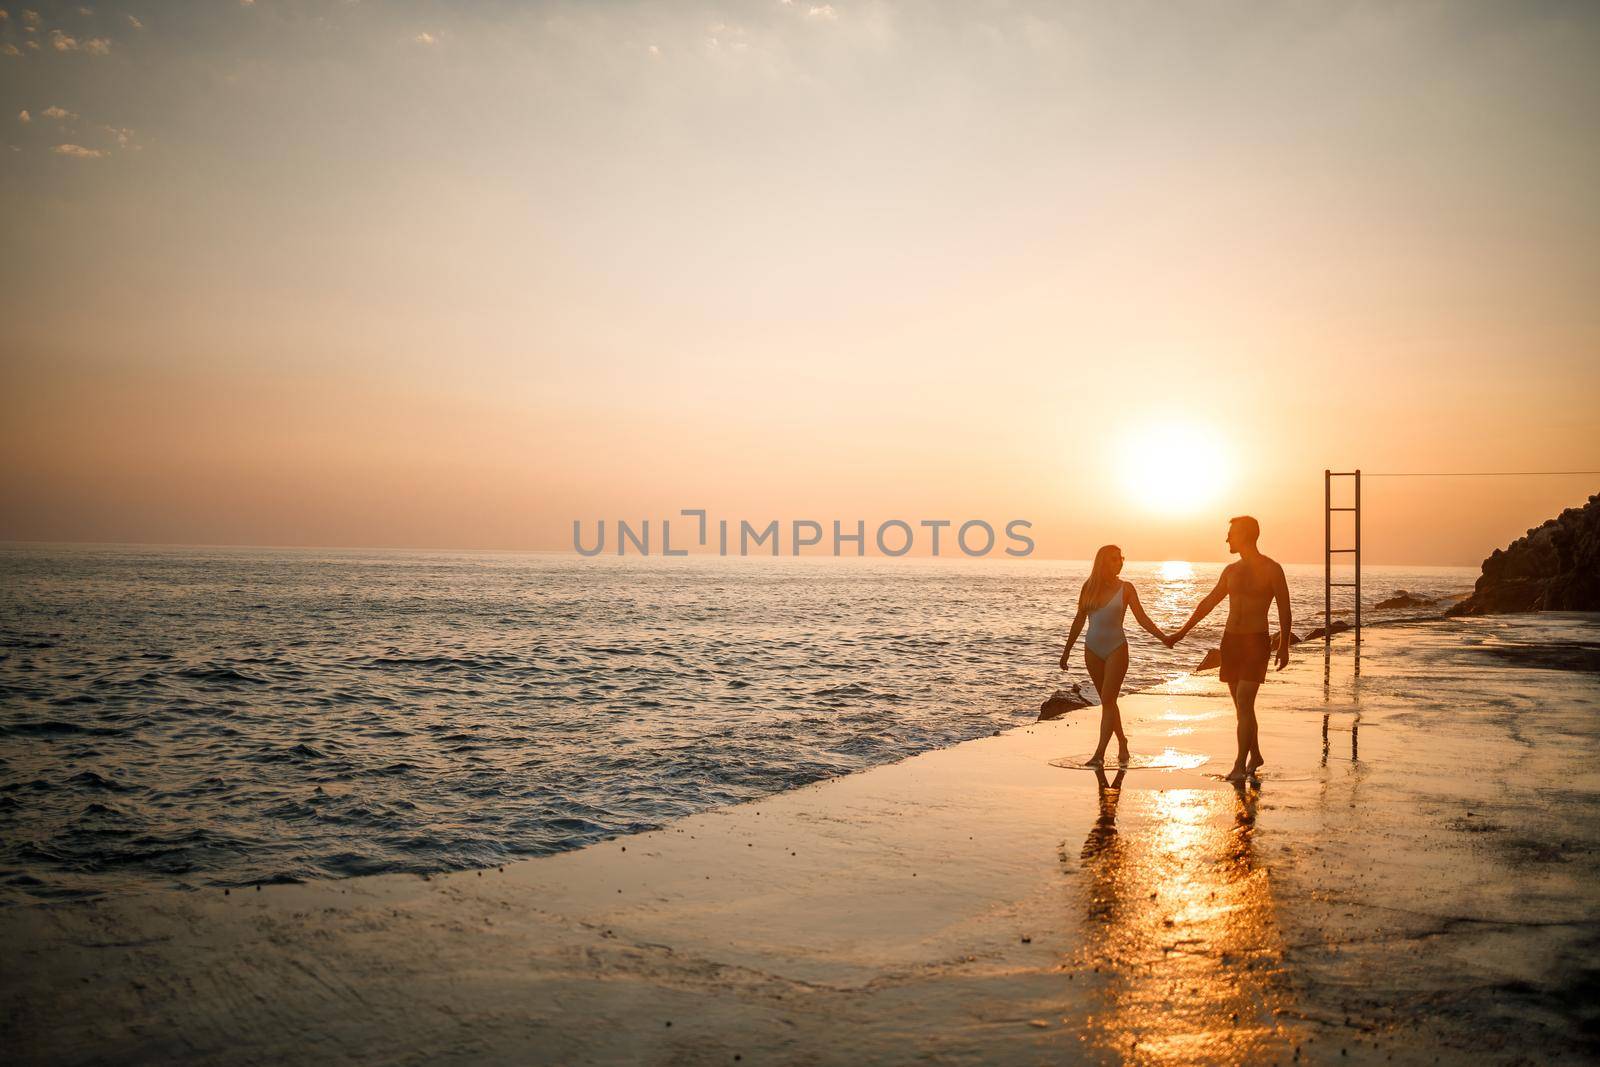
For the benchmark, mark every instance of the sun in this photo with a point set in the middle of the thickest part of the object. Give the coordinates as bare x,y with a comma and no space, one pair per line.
1175,468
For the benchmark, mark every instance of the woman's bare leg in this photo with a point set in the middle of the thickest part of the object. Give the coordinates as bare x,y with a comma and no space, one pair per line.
1097,674
1110,697
1107,675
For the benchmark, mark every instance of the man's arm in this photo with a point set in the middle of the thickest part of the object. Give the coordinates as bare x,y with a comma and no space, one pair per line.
1280,590
1213,598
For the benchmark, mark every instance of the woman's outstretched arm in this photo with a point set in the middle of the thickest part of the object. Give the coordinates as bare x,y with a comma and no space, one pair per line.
1072,638
1140,617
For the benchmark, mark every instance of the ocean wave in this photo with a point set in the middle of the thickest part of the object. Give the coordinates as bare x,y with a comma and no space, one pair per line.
98,782
220,675
241,719
56,728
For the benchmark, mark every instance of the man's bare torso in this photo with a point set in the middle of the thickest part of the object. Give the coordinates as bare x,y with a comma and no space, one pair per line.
1250,587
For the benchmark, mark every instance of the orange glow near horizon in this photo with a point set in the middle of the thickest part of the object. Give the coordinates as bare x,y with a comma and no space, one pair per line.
551,262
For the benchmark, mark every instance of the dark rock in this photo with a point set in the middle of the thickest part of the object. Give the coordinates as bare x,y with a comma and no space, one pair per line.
1556,567
1402,599
1294,639
1061,702
1336,628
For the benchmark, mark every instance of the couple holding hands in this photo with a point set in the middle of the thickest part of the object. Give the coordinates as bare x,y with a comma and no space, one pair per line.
1250,585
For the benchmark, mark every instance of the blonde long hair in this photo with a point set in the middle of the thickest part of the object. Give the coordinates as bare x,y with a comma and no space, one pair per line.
1102,583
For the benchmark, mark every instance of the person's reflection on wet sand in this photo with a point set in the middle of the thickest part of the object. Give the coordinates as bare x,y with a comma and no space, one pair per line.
1241,847
1101,847
1183,953
1104,832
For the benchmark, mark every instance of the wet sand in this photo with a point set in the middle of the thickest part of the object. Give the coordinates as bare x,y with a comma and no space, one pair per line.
1414,878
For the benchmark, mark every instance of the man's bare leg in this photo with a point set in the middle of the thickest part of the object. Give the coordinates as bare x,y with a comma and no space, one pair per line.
1244,711
1237,774
1249,728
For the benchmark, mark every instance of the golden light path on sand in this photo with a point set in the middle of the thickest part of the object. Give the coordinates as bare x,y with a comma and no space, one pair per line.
1181,917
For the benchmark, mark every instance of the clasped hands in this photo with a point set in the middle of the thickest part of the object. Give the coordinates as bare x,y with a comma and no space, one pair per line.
1170,640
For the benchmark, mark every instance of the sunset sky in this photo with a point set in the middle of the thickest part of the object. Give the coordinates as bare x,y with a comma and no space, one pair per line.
324,272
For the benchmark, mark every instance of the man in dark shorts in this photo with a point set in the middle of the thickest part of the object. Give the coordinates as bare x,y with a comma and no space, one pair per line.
1250,585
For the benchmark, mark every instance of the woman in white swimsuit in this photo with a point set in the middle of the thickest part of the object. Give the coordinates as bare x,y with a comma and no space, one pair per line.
1105,647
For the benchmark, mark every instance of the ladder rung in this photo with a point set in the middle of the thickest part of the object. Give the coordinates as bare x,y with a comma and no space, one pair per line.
1343,474
1342,585
1344,509
1331,551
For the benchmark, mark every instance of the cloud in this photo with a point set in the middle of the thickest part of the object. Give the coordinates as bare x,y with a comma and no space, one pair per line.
122,135
133,21
54,112
31,20
77,151
23,116
425,38
11,50
825,12
65,42
655,50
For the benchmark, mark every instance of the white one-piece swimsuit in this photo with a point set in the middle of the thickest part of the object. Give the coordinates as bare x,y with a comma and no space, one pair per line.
1105,634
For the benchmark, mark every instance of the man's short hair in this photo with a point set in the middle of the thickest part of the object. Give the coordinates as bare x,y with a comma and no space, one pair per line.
1248,526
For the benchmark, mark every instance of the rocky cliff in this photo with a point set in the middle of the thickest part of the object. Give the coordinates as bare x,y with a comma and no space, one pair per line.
1556,567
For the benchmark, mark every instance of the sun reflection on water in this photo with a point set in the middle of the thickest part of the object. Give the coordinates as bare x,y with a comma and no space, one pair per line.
1180,921
1177,570
1173,594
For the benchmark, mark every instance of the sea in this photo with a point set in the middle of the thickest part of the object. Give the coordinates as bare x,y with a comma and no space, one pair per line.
222,717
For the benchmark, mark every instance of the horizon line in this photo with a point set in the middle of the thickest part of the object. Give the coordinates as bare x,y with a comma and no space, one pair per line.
569,554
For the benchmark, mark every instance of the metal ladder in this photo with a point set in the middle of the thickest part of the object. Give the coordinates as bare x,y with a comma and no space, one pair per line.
1328,584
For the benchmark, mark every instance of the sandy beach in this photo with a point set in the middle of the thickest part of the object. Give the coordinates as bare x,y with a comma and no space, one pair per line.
1413,879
